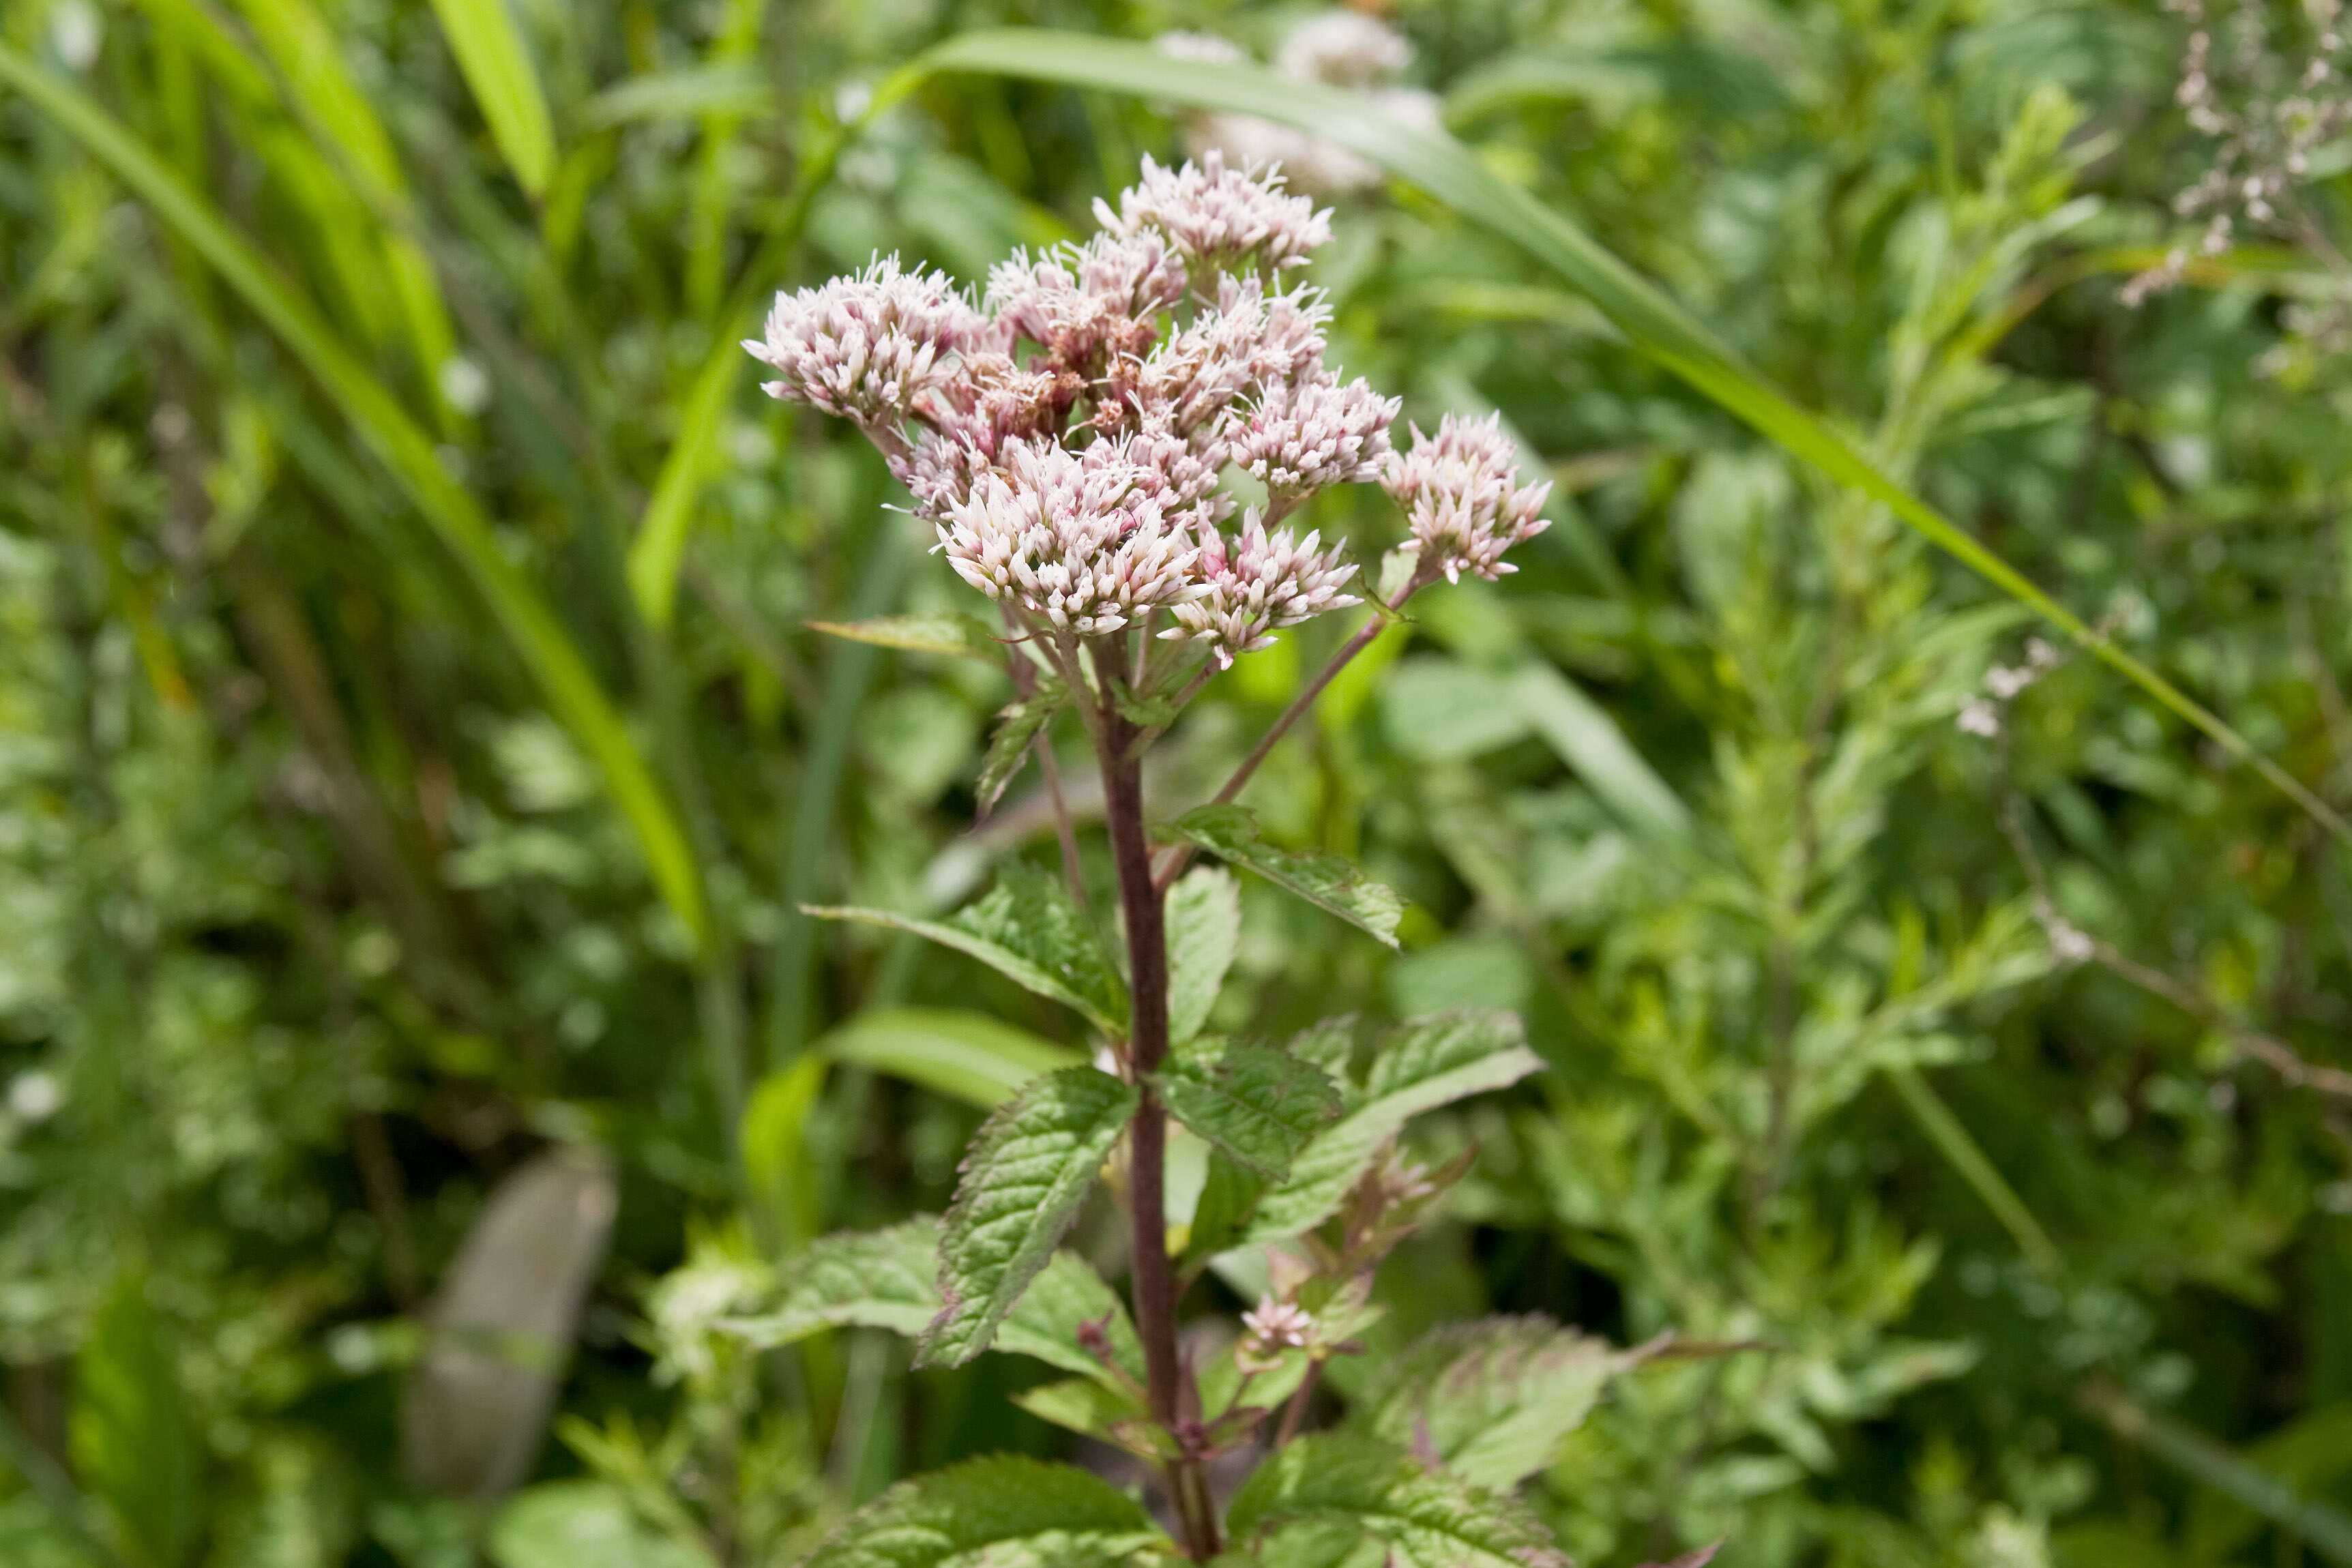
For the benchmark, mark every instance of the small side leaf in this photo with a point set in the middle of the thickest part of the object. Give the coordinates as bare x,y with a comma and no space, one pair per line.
1326,881
1003,1509
1423,1064
1016,726
1021,1181
967,1055
1204,928
886,1279
1094,1409
1028,930
1491,1400
1257,1103
1333,1485
960,635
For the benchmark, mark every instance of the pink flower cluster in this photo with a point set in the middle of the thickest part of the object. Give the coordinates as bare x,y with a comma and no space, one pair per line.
1066,437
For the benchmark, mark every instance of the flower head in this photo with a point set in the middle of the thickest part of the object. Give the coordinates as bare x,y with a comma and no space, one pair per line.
1300,439
1461,496
869,347
1345,48
1276,1326
1217,216
1082,301
1078,541
1252,587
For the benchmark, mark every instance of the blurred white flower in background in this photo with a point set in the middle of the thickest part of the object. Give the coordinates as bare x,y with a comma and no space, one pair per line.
1338,49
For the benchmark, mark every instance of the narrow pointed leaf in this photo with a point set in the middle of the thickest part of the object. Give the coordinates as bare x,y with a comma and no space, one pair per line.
1326,881
1491,1401
1258,1104
1338,1484
496,64
970,1056
1451,173
1027,930
962,635
1016,729
1422,1065
1020,1184
408,452
1204,929
1004,1510
887,1280
1584,737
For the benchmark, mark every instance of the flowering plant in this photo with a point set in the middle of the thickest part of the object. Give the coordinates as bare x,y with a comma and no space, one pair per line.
1071,439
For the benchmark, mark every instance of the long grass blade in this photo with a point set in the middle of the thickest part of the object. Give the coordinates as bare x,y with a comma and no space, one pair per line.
407,450
496,66
1447,172
2326,1529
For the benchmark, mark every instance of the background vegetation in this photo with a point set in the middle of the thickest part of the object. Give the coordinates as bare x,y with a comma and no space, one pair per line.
415,755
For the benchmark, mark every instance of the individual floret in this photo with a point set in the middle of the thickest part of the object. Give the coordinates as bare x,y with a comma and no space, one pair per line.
1078,541
1300,440
869,347
1218,217
1258,584
1462,497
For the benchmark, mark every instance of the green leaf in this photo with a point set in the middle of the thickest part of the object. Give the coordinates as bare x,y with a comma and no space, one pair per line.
776,1150
583,1524
887,1280
1020,1186
736,87
1451,173
964,636
1028,930
410,453
1016,726
1230,1194
1326,881
1257,1103
1095,1409
1586,738
1423,1064
1204,930
1490,1400
496,66
1003,1510
1334,1484
969,1056
133,1446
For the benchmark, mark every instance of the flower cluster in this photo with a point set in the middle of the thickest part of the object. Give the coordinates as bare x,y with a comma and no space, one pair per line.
1067,436
1338,48
1462,497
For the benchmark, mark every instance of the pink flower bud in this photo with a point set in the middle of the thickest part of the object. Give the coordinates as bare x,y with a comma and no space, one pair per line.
1461,496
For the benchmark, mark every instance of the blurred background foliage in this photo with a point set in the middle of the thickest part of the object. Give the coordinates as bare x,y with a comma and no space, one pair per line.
415,755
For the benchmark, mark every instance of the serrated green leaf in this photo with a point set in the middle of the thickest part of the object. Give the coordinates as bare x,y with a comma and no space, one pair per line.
887,1280
1421,1064
1204,929
960,635
1230,1195
128,1430
967,1055
1257,1103
1016,726
1029,931
1326,881
1421,1518
498,67
1003,1510
1490,1400
1021,1181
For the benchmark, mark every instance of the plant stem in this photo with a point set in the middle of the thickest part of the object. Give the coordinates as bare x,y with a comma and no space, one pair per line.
1147,952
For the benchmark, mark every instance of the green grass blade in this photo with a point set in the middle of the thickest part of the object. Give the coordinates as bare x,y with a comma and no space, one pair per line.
408,452
660,546
1449,173
497,67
